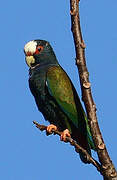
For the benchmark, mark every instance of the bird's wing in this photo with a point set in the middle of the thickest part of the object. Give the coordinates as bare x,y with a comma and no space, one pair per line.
60,87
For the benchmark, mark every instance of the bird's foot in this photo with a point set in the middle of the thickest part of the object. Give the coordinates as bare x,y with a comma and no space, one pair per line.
50,128
64,134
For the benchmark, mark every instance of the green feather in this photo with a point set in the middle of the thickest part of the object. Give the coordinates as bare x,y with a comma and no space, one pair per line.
57,80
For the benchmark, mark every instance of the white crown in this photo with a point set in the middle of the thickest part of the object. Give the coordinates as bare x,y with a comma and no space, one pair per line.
30,47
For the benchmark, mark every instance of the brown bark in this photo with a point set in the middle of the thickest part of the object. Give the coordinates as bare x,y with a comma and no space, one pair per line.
73,143
108,169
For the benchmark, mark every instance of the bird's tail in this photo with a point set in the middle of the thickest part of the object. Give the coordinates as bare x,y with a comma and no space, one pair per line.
84,143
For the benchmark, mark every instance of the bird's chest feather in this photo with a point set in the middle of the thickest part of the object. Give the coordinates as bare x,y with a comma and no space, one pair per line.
45,102
37,83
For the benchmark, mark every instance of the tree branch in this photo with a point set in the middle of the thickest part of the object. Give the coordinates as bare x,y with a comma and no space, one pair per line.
109,171
73,143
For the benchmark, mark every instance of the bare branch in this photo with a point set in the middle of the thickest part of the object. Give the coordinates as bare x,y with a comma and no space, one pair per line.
73,143
108,168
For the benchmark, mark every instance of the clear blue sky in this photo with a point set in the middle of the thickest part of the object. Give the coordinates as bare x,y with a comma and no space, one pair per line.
25,152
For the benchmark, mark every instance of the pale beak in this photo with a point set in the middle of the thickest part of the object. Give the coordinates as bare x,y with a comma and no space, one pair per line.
30,60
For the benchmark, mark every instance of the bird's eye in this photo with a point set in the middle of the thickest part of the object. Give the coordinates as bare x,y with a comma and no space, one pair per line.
39,49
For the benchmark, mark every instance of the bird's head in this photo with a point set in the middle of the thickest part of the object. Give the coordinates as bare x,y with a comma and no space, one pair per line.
39,52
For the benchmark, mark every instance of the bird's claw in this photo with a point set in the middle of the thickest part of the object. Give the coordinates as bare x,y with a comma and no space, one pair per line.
64,134
50,128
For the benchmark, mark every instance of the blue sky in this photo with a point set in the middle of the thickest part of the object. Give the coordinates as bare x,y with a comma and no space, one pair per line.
25,152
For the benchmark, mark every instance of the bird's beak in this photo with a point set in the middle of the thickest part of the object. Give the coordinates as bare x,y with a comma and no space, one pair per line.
30,60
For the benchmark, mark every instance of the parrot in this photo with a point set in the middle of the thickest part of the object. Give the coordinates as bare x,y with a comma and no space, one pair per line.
56,96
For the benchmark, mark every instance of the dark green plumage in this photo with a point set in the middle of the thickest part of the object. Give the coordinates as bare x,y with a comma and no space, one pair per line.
56,96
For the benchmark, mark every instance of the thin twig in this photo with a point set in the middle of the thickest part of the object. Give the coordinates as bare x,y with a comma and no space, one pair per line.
109,170
73,143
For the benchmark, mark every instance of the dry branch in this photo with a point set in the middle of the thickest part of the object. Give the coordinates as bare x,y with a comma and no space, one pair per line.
109,171
73,143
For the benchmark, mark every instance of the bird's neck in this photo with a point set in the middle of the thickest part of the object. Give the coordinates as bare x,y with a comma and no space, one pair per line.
44,61
42,66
